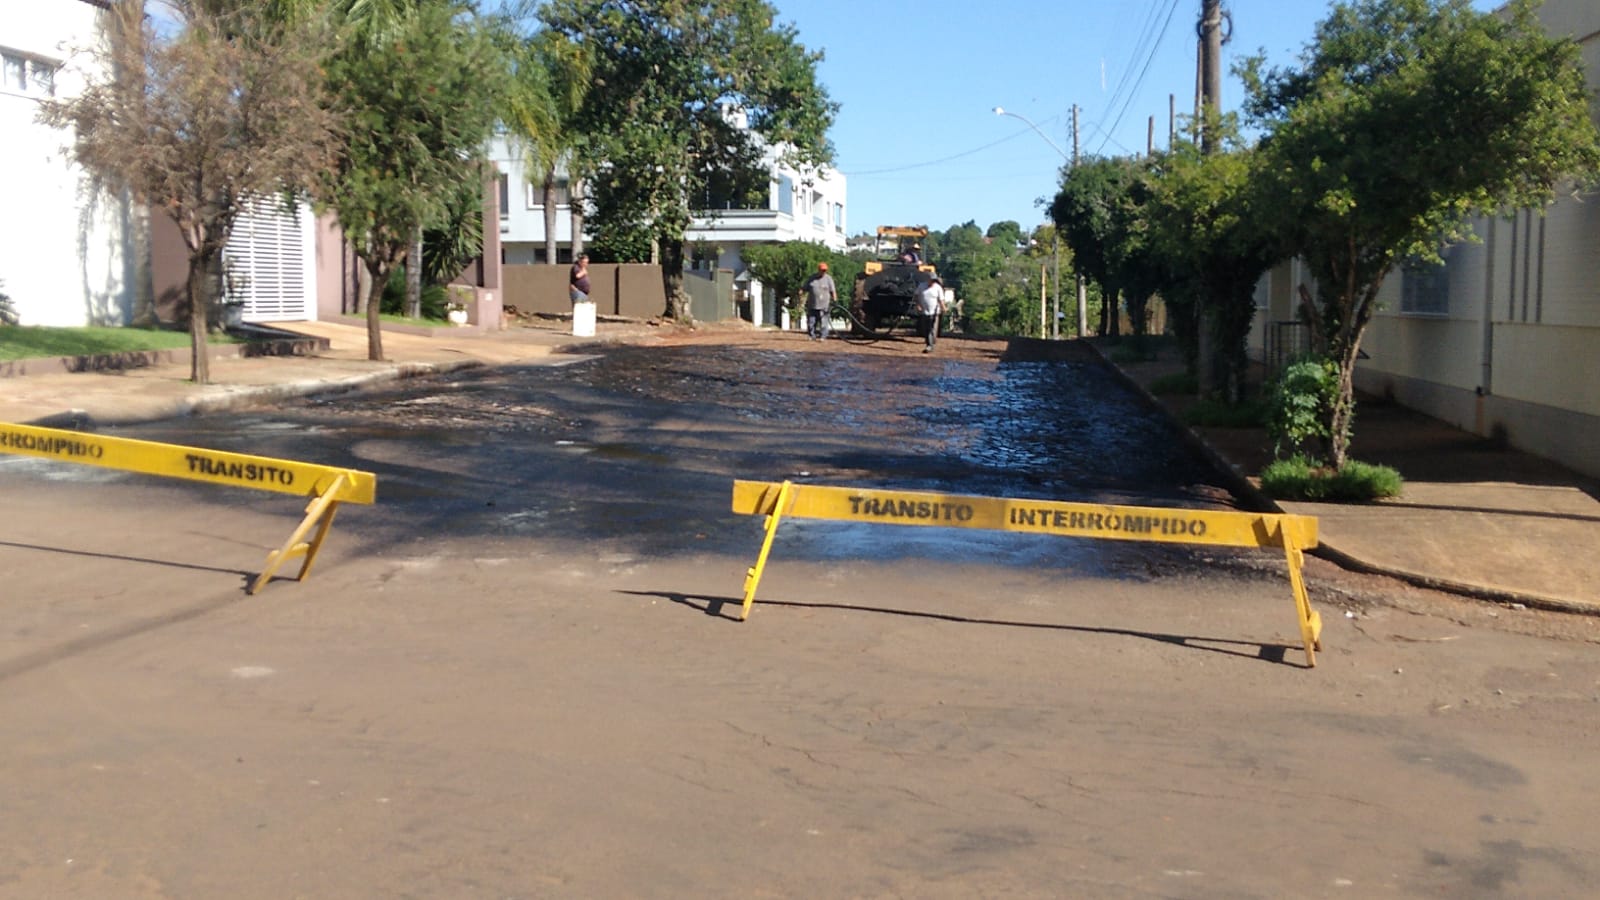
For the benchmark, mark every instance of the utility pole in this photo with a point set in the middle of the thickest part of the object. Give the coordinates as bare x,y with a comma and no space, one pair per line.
1210,72
1083,291
1055,311
1210,116
1042,331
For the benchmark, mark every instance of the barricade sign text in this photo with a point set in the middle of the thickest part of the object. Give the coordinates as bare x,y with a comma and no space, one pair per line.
1226,528
328,486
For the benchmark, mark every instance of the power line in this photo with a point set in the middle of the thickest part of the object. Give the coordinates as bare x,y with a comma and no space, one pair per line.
1142,72
935,162
1146,34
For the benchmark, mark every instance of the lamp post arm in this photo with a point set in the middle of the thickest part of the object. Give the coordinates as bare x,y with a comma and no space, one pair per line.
1001,111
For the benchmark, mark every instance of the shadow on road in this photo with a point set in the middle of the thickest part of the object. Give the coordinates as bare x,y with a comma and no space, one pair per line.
714,607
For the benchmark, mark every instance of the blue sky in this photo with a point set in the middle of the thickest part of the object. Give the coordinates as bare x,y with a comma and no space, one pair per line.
918,82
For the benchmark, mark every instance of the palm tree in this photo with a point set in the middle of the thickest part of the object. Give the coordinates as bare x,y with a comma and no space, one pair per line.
552,76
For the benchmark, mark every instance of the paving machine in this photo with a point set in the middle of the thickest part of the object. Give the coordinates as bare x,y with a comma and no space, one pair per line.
885,292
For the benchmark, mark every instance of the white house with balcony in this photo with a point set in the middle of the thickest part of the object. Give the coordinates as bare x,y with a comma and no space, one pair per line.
801,205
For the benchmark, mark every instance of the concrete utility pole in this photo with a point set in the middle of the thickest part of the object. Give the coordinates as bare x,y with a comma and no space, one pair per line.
1055,311
1042,332
1083,291
1211,99
1210,71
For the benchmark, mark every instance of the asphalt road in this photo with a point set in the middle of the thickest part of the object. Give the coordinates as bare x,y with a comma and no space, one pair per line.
521,675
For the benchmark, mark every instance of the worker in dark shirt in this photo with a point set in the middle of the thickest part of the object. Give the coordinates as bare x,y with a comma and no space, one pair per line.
578,279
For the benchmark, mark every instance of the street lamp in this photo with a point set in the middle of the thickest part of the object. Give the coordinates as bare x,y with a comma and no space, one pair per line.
1083,299
1002,111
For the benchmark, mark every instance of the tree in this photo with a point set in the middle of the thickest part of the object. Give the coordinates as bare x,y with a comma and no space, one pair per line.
1404,119
220,108
421,97
785,267
1099,214
673,86
1209,245
1006,301
966,260
1007,233
550,78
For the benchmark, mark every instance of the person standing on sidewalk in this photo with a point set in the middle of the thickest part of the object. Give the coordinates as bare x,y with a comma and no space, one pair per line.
820,294
578,279
930,304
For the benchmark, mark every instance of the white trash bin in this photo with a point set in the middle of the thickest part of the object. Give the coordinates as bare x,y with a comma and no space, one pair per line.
583,318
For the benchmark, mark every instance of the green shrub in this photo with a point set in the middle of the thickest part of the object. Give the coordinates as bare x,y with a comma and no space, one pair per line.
1176,383
435,299
1298,405
1298,478
8,312
1217,414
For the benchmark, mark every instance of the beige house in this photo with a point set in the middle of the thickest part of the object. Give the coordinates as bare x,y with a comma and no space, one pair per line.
1504,340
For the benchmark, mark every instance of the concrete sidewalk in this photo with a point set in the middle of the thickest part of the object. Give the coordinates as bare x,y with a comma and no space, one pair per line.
1475,519
102,398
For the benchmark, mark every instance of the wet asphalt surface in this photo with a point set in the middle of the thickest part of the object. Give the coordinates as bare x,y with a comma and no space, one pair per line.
458,705
638,446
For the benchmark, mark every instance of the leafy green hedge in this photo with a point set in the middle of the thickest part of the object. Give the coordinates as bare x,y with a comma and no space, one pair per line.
1297,478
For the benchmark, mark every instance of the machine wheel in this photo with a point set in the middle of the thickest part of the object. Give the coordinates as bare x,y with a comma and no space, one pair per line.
879,325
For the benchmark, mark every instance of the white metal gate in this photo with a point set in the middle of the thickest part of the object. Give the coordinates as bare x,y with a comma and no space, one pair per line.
268,261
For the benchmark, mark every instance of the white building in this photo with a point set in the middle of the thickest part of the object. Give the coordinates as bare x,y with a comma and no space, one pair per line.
1503,340
67,247
801,206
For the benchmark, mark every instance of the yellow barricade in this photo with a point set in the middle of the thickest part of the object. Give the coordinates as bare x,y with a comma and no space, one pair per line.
328,486
1293,534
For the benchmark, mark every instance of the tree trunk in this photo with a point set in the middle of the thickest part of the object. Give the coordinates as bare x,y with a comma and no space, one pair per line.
575,205
1342,415
198,297
363,286
414,275
1345,346
551,248
672,279
1206,356
378,271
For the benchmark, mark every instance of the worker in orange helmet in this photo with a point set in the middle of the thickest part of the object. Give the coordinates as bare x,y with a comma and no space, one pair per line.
820,295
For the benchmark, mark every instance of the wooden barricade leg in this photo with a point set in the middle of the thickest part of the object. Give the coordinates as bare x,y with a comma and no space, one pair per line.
752,575
319,513
1310,619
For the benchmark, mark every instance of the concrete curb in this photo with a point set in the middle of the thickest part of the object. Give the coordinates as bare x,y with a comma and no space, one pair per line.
1257,501
1502,596
288,344
1238,484
81,420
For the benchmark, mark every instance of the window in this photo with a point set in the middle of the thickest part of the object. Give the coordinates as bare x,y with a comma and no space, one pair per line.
785,194
503,183
24,74
1425,288
536,194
